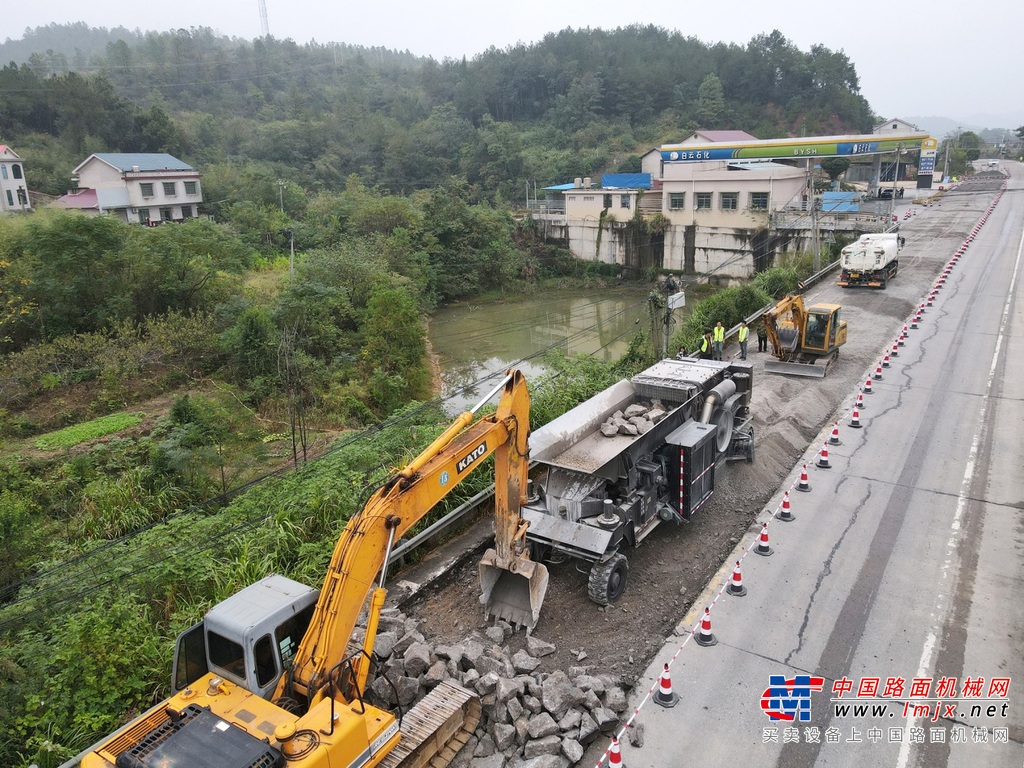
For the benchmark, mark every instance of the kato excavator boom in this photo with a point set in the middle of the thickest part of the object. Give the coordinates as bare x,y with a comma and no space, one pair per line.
282,641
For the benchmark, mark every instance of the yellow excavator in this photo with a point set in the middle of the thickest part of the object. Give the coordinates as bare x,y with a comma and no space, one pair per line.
268,678
805,341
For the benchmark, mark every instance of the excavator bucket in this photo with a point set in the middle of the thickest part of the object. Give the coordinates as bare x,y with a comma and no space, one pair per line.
513,590
795,369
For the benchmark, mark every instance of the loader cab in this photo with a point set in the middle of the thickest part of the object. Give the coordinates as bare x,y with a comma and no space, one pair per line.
248,639
824,330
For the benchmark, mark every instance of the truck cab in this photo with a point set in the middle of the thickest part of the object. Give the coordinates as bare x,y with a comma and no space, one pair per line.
249,639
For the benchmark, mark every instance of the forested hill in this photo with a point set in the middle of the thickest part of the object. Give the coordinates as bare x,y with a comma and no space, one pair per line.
575,103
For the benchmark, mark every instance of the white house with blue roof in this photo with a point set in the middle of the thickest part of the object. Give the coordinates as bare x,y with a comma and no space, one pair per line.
137,187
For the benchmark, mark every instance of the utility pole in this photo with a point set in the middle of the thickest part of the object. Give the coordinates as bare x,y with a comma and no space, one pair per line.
280,189
815,245
291,257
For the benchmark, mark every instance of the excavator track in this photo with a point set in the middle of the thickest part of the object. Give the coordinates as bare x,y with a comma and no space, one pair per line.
436,728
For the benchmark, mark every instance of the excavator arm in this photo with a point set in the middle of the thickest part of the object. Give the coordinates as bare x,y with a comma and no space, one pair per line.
318,717
784,323
363,549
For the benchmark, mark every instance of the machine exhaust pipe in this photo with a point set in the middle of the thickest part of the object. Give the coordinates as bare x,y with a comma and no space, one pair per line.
513,589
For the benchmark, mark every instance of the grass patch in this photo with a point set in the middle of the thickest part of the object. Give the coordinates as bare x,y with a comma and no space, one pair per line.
89,430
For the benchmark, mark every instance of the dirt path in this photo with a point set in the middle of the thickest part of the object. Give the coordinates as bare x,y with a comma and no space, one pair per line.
675,562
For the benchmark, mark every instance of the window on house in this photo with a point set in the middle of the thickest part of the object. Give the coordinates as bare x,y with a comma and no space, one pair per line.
676,201
10,200
730,201
144,215
169,188
165,214
759,201
623,201
3,171
147,188
17,171
186,211
190,187
703,200
607,201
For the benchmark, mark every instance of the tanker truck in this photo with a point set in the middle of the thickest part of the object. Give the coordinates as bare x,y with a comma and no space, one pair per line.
872,260
644,451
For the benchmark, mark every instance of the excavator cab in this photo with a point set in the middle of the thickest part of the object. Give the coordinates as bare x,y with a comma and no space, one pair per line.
824,331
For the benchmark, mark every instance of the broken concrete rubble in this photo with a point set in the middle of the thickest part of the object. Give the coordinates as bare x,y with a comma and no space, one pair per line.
530,717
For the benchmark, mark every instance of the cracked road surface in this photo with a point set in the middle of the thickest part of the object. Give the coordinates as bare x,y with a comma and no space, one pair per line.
905,562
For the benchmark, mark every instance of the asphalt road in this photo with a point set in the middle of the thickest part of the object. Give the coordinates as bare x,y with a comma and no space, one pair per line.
905,562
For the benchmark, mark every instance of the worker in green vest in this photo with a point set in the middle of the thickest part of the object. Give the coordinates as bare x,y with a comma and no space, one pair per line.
719,341
742,338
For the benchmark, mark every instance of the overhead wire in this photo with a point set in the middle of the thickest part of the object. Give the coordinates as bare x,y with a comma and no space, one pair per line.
56,594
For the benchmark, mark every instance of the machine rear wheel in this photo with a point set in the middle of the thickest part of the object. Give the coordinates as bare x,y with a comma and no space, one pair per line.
538,552
608,579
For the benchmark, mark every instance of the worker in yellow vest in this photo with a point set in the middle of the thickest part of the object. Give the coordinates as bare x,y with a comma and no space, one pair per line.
704,349
742,338
719,341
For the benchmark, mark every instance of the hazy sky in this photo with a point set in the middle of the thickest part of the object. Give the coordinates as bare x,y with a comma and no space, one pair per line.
941,58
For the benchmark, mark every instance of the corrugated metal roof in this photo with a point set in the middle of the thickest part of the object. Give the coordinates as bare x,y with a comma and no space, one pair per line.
626,181
147,161
86,199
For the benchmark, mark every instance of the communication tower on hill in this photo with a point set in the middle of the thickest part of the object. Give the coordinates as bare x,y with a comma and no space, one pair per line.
264,24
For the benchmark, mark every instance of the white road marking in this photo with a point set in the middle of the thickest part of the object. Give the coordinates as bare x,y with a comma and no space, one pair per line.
928,651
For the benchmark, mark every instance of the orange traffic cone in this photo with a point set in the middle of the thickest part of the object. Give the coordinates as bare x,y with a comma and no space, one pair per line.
615,755
903,336
763,548
786,514
834,438
803,486
704,636
895,350
664,696
866,389
736,585
823,458
914,321
860,400
878,372
855,419
885,360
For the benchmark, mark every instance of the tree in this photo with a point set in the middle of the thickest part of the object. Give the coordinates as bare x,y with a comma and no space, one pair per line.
394,349
971,143
835,166
77,278
710,102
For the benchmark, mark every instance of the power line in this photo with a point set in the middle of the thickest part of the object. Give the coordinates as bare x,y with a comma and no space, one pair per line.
92,578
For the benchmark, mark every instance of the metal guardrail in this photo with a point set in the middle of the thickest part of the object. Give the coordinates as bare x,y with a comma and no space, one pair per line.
427,535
